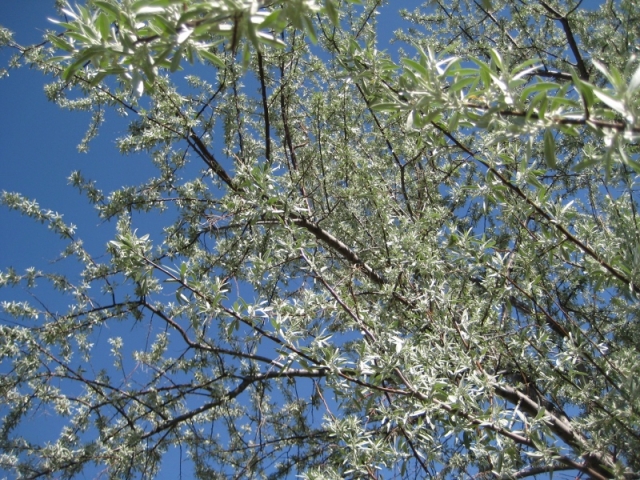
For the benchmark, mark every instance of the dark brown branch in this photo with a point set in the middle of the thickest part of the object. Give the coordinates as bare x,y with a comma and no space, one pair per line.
543,72
391,150
265,109
497,23
221,87
463,29
550,321
367,19
204,153
238,121
529,472
205,347
548,218
338,246
593,122
241,387
564,21
595,463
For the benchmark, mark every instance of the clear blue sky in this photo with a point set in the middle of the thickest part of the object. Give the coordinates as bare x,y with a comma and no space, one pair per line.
38,152
38,148
38,145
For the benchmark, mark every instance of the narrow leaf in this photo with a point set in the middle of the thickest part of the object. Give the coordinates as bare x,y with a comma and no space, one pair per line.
213,58
331,11
611,102
184,34
60,43
550,149
107,7
634,84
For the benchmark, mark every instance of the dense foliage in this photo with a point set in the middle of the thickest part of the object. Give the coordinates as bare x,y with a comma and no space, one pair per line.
372,266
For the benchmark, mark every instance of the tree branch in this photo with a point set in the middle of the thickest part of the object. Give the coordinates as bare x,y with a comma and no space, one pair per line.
596,463
265,109
241,387
564,21
547,217
619,126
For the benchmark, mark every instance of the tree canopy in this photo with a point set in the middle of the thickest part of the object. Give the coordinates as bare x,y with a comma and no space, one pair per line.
411,260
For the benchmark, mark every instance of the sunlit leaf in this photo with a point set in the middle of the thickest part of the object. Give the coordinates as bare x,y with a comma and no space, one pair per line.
550,149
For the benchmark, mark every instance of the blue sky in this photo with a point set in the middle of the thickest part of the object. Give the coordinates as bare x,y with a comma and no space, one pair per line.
38,146
38,152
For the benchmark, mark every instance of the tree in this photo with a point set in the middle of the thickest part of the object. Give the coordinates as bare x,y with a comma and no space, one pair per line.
369,269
